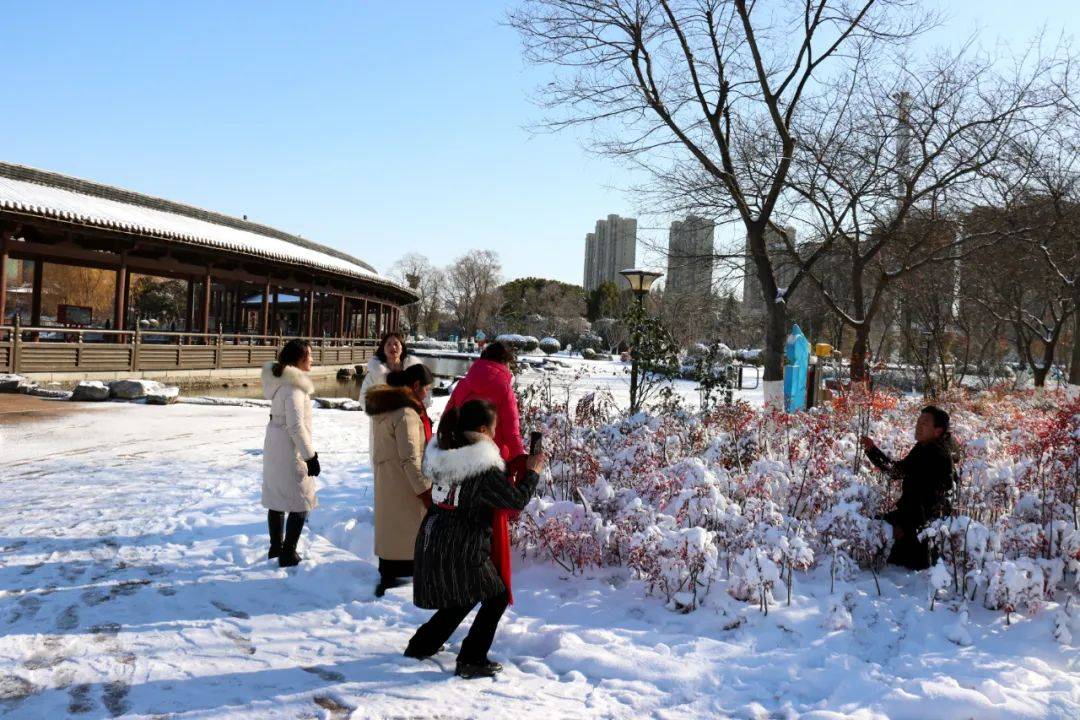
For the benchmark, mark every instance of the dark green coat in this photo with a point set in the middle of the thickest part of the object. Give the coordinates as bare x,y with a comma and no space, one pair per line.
452,560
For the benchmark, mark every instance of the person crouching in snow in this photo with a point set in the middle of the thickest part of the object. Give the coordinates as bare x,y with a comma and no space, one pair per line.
927,473
400,431
290,463
454,568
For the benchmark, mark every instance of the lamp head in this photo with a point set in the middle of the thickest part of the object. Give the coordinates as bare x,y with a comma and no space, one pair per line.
640,280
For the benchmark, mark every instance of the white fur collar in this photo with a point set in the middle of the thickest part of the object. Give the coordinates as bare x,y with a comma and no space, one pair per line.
290,375
453,466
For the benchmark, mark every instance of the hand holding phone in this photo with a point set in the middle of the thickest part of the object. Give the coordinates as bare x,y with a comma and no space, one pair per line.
536,442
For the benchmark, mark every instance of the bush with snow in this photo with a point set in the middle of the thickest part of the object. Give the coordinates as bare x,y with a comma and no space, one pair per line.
550,345
741,500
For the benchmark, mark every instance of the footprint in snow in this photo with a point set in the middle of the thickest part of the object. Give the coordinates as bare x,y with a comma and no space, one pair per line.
242,642
105,630
114,698
69,619
31,568
79,700
235,614
13,689
324,674
337,710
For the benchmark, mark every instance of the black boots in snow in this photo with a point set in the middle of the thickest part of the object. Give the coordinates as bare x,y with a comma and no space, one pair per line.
284,549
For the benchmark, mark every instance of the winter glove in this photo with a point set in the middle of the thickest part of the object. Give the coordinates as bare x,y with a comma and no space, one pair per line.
313,467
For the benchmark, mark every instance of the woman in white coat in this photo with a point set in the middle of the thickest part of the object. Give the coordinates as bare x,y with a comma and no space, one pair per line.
290,463
391,356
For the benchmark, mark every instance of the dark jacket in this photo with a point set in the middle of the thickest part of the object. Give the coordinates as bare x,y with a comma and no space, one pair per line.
927,474
453,565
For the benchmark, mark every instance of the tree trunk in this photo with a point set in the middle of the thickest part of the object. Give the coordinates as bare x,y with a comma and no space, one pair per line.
776,333
1074,366
1039,375
859,372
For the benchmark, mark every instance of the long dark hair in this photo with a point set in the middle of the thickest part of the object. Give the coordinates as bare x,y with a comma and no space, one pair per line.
417,373
499,352
380,352
457,421
293,352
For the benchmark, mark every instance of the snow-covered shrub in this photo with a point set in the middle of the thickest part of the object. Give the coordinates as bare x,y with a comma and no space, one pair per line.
530,344
513,340
550,345
589,341
737,498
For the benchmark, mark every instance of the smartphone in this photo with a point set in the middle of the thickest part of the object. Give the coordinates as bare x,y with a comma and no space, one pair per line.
536,442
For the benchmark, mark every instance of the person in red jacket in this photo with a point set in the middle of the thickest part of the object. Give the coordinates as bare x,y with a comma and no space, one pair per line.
489,378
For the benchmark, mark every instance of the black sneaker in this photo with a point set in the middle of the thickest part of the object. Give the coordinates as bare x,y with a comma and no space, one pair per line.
469,670
275,551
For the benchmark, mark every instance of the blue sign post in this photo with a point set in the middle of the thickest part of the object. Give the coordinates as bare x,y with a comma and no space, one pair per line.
796,369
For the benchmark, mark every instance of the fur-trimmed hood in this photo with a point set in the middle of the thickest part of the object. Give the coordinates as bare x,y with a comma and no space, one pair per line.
384,398
450,467
290,376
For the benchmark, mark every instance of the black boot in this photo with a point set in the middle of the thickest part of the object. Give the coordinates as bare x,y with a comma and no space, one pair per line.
293,526
276,522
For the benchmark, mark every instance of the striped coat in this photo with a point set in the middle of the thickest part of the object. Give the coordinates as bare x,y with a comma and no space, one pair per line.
453,566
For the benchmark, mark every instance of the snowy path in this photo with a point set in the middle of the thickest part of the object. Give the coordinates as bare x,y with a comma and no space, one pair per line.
133,584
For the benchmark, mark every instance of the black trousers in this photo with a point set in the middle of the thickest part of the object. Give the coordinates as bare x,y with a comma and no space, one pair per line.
390,570
431,635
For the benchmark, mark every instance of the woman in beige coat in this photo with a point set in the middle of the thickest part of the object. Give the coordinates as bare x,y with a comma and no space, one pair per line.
401,430
290,463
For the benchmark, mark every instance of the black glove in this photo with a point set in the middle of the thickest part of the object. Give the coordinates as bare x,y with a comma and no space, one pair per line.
313,468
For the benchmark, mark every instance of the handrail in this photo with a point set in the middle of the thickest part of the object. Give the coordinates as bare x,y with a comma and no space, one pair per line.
10,330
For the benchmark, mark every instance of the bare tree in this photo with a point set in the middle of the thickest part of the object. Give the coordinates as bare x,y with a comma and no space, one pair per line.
471,284
1025,291
879,188
707,94
1054,177
416,271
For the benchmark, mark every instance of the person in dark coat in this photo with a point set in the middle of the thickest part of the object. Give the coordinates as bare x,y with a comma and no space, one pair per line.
927,473
490,379
453,565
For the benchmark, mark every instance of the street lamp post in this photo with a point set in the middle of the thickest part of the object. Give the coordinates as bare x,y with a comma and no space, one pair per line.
640,282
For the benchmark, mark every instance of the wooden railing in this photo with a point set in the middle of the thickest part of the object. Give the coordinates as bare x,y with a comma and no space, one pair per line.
26,349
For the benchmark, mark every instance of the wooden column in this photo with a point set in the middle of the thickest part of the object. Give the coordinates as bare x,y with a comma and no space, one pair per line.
3,277
189,316
310,312
275,326
341,316
207,285
35,298
364,320
265,316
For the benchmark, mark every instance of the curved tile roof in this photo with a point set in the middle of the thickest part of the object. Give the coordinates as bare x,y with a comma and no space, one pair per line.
52,195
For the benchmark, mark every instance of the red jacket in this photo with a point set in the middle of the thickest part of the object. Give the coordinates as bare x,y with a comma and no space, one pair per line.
492,381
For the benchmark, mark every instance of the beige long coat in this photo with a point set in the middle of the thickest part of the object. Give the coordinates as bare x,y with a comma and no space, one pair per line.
397,457
286,486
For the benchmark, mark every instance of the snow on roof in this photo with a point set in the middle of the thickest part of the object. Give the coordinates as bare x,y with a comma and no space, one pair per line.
61,197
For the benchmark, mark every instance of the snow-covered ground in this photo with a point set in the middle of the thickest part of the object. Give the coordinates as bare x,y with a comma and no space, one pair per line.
134,582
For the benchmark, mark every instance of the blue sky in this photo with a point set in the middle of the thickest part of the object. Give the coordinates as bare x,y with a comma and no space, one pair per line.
376,127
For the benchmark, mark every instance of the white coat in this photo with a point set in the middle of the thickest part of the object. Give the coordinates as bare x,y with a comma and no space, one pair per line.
286,486
377,372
